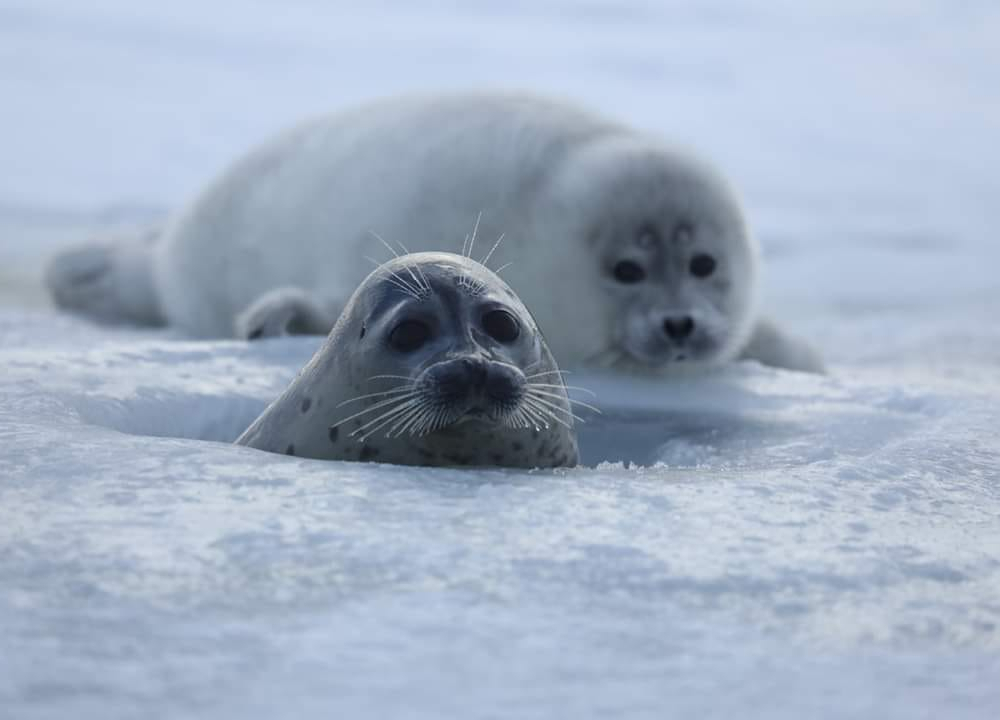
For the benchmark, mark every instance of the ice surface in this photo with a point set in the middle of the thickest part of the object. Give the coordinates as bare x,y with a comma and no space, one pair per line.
752,543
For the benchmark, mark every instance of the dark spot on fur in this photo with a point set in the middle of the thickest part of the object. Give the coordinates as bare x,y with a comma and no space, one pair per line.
306,404
497,458
334,432
368,452
256,333
290,450
425,454
517,446
459,459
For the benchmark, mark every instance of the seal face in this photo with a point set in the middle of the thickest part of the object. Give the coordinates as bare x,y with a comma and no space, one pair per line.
434,361
671,257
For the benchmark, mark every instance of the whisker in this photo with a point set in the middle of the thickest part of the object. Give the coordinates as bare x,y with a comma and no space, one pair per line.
381,240
547,372
475,229
419,419
390,377
399,427
502,268
548,412
558,396
373,426
575,388
394,391
403,285
486,259
553,406
535,415
371,408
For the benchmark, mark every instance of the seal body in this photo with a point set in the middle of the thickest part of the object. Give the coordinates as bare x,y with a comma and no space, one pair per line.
631,254
434,361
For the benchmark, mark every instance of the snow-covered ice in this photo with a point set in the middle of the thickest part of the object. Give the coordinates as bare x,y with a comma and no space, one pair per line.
752,543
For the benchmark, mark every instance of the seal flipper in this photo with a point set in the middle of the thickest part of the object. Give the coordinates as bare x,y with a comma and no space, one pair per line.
283,311
772,346
110,281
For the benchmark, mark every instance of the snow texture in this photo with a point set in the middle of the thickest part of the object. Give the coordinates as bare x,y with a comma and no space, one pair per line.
753,543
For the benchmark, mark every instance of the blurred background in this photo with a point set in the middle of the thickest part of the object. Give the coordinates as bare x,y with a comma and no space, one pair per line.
814,546
862,135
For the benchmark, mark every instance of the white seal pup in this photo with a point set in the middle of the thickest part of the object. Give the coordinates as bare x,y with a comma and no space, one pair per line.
632,255
434,361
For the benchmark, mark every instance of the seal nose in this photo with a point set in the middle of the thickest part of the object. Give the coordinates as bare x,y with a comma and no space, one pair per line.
504,384
458,378
678,327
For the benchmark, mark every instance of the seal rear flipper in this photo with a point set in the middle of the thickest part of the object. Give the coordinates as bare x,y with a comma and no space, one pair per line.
772,346
283,311
110,281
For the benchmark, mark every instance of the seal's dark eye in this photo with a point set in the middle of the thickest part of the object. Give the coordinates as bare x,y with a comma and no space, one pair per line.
409,335
501,326
702,265
628,272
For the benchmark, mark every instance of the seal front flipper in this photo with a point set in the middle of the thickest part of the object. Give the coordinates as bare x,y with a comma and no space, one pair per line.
283,311
110,281
770,345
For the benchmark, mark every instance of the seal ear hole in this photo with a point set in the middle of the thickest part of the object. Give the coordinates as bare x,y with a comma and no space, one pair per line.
501,326
702,265
409,335
363,329
628,272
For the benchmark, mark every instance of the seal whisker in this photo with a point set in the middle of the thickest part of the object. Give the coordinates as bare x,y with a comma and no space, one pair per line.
546,412
403,285
416,418
422,287
576,388
395,278
416,428
382,240
543,407
475,229
394,391
376,406
486,259
553,407
401,423
439,420
547,372
557,396
373,426
519,419
389,377
535,415
502,268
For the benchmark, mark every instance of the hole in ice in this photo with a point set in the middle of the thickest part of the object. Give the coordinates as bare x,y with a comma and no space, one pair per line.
746,417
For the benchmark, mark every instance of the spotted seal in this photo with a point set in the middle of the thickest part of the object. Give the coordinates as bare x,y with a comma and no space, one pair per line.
434,361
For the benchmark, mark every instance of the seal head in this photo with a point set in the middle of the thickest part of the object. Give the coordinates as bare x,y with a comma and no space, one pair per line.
672,263
434,361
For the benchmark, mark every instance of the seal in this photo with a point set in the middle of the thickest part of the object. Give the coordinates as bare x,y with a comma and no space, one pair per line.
633,255
434,361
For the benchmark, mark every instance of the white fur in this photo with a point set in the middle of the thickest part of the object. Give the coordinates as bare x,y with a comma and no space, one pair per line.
298,213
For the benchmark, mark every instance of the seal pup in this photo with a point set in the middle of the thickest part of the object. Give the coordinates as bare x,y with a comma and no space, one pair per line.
633,255
434,361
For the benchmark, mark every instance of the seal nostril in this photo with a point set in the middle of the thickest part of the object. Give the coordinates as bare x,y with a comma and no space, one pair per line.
504,386
475,372
679,327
